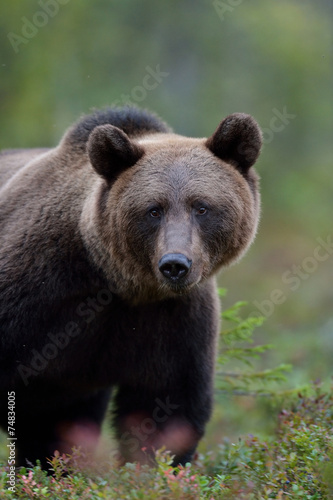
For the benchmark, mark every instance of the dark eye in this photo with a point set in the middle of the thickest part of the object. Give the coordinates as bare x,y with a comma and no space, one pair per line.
201,211
155,212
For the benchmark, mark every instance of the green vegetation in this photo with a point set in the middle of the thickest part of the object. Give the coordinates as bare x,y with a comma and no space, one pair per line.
235,349
216,57
295,462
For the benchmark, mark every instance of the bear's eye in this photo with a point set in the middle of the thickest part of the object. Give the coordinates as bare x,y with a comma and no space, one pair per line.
201,211
154,212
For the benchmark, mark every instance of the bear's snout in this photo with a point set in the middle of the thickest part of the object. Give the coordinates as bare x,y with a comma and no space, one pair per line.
174,266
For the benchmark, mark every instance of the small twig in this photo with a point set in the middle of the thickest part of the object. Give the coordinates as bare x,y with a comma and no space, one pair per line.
245,393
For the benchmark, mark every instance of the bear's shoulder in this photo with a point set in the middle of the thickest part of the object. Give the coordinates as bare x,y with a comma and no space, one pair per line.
133,121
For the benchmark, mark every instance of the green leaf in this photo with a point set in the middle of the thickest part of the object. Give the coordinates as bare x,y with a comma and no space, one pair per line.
222,292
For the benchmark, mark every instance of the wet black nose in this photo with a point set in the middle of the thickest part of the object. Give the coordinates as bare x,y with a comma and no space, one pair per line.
174,266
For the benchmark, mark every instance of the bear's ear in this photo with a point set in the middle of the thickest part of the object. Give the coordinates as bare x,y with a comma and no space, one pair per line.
111,151
237,140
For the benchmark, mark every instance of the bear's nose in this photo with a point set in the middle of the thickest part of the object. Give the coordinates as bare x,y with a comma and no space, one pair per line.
174,266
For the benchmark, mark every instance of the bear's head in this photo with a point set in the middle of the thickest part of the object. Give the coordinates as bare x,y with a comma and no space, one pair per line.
170,211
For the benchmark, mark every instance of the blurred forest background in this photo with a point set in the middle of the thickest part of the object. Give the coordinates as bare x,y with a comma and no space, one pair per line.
194,62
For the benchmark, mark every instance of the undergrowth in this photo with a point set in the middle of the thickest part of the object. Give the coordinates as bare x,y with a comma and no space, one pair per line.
296,463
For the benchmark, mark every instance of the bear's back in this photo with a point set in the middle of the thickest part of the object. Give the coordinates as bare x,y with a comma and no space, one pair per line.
12,160
133,121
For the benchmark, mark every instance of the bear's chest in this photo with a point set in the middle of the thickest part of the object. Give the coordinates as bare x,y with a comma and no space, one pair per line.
125,345
141,344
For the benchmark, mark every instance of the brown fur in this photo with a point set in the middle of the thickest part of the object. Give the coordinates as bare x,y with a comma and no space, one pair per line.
97,214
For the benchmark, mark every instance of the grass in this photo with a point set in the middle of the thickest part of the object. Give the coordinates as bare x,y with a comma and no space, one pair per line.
296,463
290,459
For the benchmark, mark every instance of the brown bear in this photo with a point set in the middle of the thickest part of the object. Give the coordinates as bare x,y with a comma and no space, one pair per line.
110,244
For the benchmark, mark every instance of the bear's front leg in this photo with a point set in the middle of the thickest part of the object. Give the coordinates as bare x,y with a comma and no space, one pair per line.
168,411
145,423
165,390
50,420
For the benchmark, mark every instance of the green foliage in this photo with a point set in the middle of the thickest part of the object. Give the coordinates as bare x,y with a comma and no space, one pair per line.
235,344
262,56
296,463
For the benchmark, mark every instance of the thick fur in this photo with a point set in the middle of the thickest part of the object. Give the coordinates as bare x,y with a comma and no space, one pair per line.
84,306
